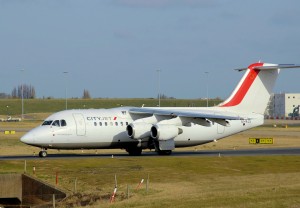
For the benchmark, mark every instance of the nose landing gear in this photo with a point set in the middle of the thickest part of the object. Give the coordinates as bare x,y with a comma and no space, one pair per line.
43,153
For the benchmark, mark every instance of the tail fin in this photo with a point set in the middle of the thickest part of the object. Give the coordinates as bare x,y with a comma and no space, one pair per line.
253,91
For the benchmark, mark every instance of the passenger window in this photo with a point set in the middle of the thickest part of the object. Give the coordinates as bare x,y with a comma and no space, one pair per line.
55,123
121,123
100,123
105,123
95,123
63,123
126,123
116,123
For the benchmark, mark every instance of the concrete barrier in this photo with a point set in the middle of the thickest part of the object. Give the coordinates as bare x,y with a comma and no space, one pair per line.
11,187
22,189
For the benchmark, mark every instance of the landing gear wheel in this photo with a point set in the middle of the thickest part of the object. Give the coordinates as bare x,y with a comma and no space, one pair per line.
134,151
164,152
43,153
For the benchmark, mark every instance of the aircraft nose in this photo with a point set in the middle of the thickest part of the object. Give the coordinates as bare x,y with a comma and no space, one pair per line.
27,138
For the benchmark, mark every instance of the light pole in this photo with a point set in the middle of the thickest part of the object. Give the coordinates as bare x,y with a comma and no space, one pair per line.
206,89
65,72
7,111
22,94
158,72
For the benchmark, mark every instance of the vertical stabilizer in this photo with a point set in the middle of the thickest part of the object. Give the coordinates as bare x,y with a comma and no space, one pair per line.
253,91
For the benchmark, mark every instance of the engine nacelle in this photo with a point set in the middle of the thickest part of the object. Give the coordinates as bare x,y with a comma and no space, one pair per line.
165,132
138,130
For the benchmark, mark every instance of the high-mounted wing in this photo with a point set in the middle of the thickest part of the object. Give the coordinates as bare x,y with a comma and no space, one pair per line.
186,116
191,113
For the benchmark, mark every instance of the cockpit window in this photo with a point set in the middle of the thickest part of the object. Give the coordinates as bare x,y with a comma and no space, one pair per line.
63,123
47,123
55,123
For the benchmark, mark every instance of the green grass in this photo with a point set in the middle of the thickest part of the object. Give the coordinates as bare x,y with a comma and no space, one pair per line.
54,105
260,181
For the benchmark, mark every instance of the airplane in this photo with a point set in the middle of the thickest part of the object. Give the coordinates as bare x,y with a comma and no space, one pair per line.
160,128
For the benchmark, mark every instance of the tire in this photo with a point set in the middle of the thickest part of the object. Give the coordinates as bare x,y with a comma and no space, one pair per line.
43,153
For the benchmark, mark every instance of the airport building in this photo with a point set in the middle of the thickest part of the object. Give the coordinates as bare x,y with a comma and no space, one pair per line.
283,105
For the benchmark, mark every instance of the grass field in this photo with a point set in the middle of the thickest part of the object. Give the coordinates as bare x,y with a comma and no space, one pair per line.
263,181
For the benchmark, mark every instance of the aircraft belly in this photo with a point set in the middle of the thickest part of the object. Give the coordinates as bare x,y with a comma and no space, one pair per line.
191,143
197,134
97,145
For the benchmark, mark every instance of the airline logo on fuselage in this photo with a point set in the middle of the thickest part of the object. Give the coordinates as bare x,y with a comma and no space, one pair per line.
100,118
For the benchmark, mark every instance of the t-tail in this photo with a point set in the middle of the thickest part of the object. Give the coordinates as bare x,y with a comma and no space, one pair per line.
253,92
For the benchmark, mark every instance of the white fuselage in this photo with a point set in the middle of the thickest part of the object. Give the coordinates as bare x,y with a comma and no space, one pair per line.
106,128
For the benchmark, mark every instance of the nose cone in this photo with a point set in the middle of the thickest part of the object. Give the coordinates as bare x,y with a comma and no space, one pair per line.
27,138
37,136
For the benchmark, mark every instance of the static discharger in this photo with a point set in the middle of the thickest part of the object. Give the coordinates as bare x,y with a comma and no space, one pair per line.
261,141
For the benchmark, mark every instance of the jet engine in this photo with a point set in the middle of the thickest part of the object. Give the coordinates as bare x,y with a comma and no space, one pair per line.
138,130
165,132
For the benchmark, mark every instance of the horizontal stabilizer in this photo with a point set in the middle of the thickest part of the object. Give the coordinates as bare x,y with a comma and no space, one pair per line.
272,66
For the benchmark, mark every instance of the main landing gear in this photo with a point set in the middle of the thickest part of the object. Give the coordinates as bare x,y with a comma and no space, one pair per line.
43,153
134,151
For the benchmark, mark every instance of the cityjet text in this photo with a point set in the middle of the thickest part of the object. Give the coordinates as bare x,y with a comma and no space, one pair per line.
97,118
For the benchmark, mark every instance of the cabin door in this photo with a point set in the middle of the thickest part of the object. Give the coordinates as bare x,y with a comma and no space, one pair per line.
80,124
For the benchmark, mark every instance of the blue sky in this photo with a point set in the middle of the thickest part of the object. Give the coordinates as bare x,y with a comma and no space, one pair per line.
114,47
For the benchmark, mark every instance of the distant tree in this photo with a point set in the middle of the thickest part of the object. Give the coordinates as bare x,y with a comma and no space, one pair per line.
28,92
218,98
163,96
86,94
4,95
14,93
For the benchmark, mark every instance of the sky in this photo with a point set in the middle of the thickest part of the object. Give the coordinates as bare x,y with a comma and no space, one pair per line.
114,48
